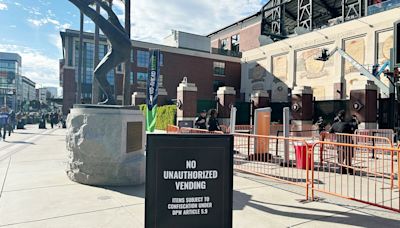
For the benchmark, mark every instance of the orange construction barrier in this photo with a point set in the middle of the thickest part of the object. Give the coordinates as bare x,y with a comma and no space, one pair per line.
347,170
172,129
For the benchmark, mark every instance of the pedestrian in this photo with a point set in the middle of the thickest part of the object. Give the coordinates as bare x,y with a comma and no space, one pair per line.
213,124
12,120
3,122
52,120
42,122
354,123
201,120
345,153
339,116
320,124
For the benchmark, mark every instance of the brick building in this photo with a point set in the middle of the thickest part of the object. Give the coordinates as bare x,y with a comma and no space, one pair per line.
208,71
238,37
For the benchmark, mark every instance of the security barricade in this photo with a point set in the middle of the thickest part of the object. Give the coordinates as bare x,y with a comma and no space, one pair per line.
387,133
187,130
172,129
347,169
284,159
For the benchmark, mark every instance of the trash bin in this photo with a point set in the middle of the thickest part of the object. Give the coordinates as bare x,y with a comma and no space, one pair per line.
301,154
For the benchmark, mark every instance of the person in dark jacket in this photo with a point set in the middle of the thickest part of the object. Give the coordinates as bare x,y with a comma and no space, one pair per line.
345,153
4,120
320,124
340,116
213,124
12,122
201,121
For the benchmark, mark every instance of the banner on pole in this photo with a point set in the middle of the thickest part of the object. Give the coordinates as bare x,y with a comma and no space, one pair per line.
152,89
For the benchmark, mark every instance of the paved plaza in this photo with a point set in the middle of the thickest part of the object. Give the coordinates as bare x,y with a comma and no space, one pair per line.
35,192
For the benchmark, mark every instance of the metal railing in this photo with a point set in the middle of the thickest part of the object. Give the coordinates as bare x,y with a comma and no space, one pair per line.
172,129
356,167
347,170
278,158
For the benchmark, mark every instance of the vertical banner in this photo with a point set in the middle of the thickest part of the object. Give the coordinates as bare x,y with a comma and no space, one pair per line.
152,89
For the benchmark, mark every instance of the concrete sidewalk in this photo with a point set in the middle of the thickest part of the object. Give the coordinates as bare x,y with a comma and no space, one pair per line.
35,192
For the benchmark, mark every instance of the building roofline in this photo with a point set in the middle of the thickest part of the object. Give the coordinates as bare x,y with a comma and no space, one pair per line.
235,23
175,50
29,80
11,56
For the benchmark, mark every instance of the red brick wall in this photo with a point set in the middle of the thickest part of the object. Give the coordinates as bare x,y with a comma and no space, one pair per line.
198,70
248,37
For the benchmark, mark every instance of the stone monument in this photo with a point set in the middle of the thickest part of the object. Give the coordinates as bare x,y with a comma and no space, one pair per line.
106,143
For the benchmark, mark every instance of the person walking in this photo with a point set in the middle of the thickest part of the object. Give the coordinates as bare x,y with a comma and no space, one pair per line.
12,121
339,116
3,122
345,153
320,124
213,124
201,120
52,120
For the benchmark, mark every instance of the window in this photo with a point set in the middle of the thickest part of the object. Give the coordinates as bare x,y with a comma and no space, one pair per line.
143,58
224,44
119,68
161,59
235,40
110,77
131,78
217,84
132,55
219,68
160,81
141,76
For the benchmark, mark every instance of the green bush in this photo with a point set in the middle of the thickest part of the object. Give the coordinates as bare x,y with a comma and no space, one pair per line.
165,115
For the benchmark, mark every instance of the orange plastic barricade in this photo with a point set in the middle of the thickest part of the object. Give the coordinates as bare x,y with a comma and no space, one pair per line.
387,133
172,129
187,130
247,129
272,164
348,170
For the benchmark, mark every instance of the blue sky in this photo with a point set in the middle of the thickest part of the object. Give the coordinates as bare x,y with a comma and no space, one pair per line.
31,27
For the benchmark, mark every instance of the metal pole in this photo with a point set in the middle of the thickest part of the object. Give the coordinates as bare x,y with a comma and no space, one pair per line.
79,86
233,120
126,92
286,121
95,83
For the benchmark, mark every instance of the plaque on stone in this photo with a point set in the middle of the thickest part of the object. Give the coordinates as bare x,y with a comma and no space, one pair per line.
134,136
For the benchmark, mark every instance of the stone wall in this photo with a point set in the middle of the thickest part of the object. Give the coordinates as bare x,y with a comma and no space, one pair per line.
282,65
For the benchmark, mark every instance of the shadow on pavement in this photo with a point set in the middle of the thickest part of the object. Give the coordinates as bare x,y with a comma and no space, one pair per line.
349,217
138,191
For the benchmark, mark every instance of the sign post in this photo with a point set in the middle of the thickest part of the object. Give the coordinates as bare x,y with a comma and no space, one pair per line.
189,181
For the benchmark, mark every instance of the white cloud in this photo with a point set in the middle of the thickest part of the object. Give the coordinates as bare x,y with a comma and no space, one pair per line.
152,20
35,65
3,6
47,20
55,40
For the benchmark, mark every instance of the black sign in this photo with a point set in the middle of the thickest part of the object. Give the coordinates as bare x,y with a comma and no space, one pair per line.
189,180
185,123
